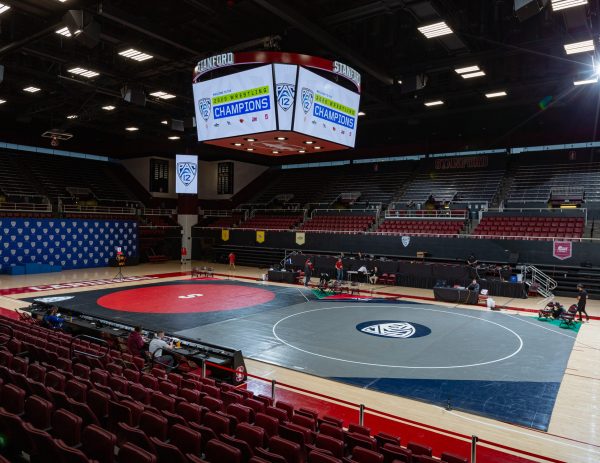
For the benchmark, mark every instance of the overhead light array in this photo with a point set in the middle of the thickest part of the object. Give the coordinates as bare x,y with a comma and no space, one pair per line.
435,30
592,80
495,94
4,8
132,129
108,107
579,47
135,55
31,89
163,95
2,101
64,32
83,72
469,72
558,5
433,103
72,116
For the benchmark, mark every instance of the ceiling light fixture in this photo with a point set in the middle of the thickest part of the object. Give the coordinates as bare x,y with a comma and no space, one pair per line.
592,80
64,31
435,30
249,149
4,8
362,113
236,144
72,116
308,142
317,147
275,152
433,103
132,129
174,137
495,94
250,139
31,89
136,55
164,122
162,95
558,5
83,72
467,69
2,101
108,108
280,138
302,151
473,74
579,47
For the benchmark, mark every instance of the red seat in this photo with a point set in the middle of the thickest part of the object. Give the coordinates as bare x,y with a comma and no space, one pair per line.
154,425
419,449
291,451
218,423
191,412
239,444
98,444
363,455
13,399
185,439
217,451
130,453
67,427
253,435
268,423
168,452
452,458
38,412
69,454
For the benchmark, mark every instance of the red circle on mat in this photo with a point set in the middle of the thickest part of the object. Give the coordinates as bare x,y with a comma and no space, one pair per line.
185,298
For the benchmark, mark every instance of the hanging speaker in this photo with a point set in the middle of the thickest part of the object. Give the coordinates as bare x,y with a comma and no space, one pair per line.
525,9
1,73
134,95
82,27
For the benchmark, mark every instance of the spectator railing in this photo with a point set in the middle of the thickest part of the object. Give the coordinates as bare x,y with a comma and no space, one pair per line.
25,207
74,208
169,212
445,214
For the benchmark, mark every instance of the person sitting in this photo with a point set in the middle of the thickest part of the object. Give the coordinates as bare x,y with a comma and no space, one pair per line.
374,275
156,349
324,280
474,286
136,343
52,319
557,310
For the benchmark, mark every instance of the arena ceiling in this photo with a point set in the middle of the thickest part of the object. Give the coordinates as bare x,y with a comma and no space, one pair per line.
525,58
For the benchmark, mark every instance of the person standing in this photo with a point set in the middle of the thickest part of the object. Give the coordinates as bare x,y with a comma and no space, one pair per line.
231,261
339,268
308,268
581,301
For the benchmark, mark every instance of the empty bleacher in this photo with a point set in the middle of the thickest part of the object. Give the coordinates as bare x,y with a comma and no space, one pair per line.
337,222
528,227
272,221
463,186
424,227
107,408
14,185
534,183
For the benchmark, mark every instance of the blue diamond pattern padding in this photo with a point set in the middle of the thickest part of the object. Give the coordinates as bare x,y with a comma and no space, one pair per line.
69,243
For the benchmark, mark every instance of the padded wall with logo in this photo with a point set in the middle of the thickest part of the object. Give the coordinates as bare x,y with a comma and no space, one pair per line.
70,243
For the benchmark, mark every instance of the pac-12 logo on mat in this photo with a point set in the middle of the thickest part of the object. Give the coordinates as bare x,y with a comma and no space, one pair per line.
186,171
307,99
285,95
393,329
50,300
204,107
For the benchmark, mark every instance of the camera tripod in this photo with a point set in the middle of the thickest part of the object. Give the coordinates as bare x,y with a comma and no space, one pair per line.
119,276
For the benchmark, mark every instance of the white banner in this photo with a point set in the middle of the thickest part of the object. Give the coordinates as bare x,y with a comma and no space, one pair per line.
285,90
237,104
186,174
325,110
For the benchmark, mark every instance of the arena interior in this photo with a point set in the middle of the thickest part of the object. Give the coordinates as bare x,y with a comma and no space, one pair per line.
249,231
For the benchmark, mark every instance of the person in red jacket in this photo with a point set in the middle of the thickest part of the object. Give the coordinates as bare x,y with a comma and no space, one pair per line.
339,267
136,343
231,261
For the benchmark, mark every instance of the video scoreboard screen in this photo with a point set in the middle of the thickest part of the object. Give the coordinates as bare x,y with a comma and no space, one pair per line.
235,105
325,109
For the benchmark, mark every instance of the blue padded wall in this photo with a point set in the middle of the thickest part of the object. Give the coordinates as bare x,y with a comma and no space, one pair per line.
69,243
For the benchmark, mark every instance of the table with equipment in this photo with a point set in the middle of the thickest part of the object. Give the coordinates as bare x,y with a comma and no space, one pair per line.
282,276
455,295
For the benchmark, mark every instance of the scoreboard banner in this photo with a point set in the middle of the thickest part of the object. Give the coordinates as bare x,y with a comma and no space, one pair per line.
285,92
236,104
325,110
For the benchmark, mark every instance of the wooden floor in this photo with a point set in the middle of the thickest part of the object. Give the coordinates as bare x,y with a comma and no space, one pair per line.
574,432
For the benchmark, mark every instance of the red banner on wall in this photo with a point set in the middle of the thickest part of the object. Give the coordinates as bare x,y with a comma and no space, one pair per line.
562,249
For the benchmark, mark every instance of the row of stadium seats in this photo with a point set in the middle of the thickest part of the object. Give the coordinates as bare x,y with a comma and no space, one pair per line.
272,222
55,408
537,227
408,226
341,223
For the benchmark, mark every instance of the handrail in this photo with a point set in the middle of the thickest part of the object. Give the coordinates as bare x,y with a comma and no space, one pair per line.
25,207
95,340
545,283
98,209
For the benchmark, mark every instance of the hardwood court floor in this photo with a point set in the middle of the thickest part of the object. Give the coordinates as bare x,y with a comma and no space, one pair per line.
573,434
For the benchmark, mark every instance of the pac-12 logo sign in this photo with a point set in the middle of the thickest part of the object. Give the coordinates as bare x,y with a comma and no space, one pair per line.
393,329
204,107
186,171
405,241
307,99
285,95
